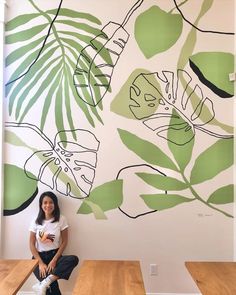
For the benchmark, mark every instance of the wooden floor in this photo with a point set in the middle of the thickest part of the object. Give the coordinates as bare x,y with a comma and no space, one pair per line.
13,274
214,278
109,277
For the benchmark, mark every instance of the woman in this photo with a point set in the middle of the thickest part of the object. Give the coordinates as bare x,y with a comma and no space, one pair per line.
48,239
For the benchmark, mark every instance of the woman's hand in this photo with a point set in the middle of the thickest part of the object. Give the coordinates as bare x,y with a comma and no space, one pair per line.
51,265
43,269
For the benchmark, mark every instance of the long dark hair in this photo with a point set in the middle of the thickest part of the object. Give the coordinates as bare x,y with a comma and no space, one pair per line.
56,212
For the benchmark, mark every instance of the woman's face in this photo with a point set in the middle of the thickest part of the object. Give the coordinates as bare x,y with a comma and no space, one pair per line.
48,206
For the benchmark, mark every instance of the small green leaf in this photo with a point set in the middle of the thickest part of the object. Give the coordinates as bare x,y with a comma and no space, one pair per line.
156,30
68,102
223,195
107,196
90,206
212,161
19,52
146,150
162,182
17,194
75,14
59,120
25,35
181,153
164,201
48,100
80,26
20,20
80,103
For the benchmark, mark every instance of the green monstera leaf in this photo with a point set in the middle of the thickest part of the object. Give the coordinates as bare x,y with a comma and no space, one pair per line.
17,195
157,30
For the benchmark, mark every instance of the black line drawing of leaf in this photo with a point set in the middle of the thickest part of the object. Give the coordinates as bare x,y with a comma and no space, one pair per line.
44,66
68,165
174,110
92,71
133,211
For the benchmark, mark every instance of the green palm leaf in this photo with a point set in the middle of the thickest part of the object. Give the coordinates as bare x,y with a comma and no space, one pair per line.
58,107
33,81
48,100
80,26
75,14
25,35
23,67
20,52
20,20
41,88
42,73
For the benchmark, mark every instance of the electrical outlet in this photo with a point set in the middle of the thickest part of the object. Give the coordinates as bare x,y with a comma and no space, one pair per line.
153,270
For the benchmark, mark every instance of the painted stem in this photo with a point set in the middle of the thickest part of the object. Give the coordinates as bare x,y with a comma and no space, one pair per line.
195,194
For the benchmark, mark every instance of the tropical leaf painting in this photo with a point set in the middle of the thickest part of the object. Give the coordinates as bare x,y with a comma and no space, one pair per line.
66,166
61,63
45,61
94,72
199,173
163,104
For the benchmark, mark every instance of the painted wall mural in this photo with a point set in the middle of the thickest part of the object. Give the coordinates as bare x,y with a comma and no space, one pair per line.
62,67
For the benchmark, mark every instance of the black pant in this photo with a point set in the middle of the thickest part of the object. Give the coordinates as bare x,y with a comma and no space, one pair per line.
64,267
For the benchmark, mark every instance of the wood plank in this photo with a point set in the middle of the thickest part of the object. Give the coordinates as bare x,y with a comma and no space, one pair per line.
214,278
109,277
13,274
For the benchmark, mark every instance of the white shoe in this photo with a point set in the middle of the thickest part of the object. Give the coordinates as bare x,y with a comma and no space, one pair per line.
40,288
